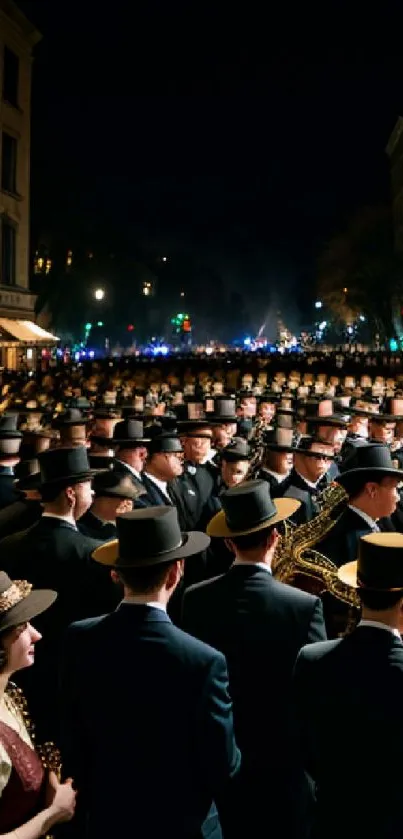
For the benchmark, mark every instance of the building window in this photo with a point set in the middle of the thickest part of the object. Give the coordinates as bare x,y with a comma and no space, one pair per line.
8,252
9,163
10,77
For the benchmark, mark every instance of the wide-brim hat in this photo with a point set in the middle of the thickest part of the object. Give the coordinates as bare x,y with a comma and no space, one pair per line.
147,537
247,508
371,460
19,604
379,566
64,466
72,416
128,433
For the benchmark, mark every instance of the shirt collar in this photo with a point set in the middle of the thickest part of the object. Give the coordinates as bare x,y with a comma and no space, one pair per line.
137,600
162,485
68,519
255,564
370,522
305,480
379,625
130,468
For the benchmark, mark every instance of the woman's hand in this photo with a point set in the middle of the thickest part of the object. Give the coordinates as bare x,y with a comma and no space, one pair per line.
61,799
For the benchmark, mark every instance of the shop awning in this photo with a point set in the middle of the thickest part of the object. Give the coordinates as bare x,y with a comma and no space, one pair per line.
25,331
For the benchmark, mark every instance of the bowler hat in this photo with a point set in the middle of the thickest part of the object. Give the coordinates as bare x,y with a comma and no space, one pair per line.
149,536
27,474
111,484
73,416
379,566
64,466
237,449
248,508
19,604
128,433
373,460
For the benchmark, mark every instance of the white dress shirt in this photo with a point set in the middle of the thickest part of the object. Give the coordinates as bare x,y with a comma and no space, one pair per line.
130,468
257,564
137,600
370,522
162,485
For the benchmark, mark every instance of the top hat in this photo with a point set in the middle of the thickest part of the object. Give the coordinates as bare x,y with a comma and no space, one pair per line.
19,604
248,508
236,450
224,411
149,536
73,416
371,460
27,474
8,427
128,433
163,442
304,447
195,428
111,484
379,566
65,466
280,439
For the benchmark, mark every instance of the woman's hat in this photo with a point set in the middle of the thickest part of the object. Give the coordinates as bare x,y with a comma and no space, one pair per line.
248,508
19,604
149,536
373,460
65,466
379,566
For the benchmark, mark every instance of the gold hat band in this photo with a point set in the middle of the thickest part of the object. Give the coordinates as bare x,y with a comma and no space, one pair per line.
18,591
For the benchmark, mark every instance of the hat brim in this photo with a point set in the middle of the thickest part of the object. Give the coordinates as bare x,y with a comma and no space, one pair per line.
193,543
285,508
347,574
225,420
133,443
277,447
330,422
346,477
30,482
34,604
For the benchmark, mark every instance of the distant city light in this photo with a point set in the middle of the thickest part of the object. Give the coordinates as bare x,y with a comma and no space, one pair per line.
99,294
162,350
323,325
345,290
318,304
350,330
247,342
165,259
182,293
88,326
91,353
100,323
393,344
209,350
362,318
76,356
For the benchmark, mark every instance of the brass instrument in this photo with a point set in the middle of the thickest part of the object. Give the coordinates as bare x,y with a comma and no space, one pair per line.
257,445
299,564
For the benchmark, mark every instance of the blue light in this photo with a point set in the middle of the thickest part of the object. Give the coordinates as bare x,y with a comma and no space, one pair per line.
247,342
393,344
162,350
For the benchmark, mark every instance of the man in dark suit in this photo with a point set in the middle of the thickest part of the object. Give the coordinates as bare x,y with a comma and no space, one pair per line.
54,554
260,625
348,694
130,448
114,494
23,513
307,478
148,730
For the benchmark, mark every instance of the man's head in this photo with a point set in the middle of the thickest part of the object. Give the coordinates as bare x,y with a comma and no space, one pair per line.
235,461
313,460
165,456
255,547
66,481
67,500
381,430
371,480
377,496
196,438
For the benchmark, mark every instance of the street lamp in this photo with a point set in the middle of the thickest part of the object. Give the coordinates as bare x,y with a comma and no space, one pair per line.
165,259
318,304
99,294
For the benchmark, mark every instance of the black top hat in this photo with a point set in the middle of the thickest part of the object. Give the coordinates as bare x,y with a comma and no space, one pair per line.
236,450
195,428
163,443
128,433
65,466
304,447
106,412
280,439
224,411
19,604
149,536
27,474
73,416
248,508
8,427
111,484
379,566
373,460
315,408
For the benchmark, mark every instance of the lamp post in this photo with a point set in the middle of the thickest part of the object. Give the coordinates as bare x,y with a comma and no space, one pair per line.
99,293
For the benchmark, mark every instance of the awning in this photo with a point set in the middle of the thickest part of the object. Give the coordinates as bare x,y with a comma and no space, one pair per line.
25,331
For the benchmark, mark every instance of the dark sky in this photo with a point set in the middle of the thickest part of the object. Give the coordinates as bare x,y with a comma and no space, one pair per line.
245,138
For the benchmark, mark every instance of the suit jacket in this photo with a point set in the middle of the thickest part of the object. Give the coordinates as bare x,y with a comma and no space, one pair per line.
8,493
92,526
53,554
347,702
260,625
197,484
340,545
160,725
122,469
295,487
154,497
19,516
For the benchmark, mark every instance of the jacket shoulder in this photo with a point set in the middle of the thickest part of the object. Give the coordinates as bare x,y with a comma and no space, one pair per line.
317,651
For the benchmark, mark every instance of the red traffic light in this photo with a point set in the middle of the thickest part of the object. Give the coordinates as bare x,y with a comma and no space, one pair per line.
130,327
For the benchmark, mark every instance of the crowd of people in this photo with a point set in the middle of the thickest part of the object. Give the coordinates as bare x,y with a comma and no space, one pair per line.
212,561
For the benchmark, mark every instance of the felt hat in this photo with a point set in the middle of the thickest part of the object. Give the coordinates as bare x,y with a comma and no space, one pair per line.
379,566
247,508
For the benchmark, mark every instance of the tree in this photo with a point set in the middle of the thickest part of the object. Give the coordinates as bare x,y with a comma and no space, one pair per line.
360,273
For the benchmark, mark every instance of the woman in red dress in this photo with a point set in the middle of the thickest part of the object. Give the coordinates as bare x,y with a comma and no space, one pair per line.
32,801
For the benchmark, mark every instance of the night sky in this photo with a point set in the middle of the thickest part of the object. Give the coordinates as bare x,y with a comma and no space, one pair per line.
242,140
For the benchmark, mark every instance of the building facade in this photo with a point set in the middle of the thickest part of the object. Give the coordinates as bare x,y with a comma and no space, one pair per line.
18,38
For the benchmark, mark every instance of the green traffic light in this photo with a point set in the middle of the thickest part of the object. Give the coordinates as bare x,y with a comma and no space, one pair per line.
100,323
88,326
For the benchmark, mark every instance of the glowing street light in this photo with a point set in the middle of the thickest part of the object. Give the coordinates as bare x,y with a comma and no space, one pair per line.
165,259
99,294
318,304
